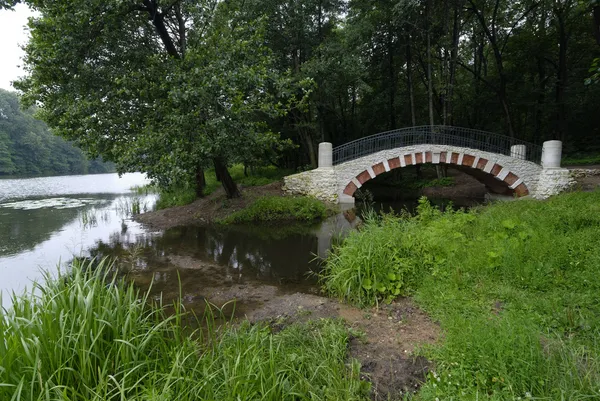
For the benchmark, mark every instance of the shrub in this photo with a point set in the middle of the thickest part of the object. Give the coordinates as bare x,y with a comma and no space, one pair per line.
277,208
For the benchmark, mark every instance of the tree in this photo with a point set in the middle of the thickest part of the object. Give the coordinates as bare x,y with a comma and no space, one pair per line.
164,88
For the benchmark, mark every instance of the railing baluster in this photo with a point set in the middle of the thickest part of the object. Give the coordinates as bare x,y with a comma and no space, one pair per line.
439,135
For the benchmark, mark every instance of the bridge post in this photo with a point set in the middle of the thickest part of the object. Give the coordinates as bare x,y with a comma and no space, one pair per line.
518,151
551,154
553,179
325,155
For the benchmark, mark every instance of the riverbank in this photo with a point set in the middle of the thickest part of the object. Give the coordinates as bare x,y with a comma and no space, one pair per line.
215,207
210,209
113,341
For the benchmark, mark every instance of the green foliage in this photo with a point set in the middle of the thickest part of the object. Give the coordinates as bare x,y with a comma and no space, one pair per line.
163,101
27,147
175,197
513,285
88,336
277,208
595,71
581,159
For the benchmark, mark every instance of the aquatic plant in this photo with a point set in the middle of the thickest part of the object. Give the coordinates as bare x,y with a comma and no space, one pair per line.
89,336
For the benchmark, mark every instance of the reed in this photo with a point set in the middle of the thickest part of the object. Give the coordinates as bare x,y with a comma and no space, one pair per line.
87,335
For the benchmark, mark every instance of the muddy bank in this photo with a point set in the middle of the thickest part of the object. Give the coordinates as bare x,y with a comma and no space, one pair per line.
208,209
385,340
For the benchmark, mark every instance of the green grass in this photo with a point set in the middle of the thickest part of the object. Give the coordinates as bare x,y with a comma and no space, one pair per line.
144,189
277,208
89,336
183,195
514,286
581,159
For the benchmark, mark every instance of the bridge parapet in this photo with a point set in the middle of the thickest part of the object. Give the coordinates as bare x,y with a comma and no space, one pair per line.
437,135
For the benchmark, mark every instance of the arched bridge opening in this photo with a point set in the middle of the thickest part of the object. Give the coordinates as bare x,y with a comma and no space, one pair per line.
494,176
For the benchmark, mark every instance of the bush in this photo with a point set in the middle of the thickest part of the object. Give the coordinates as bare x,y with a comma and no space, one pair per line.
175,197
581,159
277,208
87,336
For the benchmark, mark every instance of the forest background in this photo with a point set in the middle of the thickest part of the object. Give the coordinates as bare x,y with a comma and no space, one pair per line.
526,68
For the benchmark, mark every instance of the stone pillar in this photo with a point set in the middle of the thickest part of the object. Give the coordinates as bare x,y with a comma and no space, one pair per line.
553,179
518,151
325,155
551,154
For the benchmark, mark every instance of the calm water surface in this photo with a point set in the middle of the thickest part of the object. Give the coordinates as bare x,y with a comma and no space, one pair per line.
44,221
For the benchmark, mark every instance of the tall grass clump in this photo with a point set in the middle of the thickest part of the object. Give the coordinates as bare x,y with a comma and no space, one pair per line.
90,336
278,208
513,285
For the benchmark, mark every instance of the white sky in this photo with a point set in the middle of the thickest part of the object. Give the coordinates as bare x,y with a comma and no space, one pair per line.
12,34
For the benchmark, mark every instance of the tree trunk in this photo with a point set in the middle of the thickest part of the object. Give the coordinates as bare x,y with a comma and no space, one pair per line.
411,92
453,63
229,185
429,79
392,84
561,82
200,182
597,24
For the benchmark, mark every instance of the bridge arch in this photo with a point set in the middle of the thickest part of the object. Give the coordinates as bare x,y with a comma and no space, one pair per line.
463,159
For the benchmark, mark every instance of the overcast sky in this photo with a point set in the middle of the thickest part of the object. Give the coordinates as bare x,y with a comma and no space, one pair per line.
12,34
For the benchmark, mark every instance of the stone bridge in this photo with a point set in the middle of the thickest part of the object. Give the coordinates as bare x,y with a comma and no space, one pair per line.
503,164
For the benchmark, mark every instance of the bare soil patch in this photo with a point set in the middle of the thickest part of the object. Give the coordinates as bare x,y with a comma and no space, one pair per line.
385,342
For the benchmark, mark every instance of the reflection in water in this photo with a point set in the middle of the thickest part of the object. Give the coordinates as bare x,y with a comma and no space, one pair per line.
28,223
37,239
249,253
214,263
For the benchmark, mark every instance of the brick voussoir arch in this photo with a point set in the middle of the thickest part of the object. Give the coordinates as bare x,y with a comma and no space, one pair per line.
459,159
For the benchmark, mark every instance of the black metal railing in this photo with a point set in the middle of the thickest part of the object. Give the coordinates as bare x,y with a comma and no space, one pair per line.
434,135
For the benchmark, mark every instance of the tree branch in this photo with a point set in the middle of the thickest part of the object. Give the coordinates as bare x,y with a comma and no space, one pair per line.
477,76
525,14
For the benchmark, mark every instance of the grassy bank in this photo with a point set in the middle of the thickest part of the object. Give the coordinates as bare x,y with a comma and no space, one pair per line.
278,208
89,336
514,286
256,177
